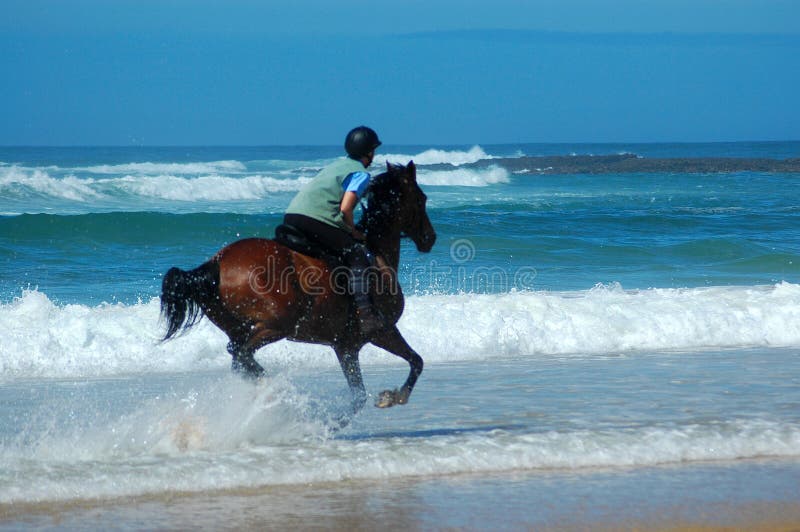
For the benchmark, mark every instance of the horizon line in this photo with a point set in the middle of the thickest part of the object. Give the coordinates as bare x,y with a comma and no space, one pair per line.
612,37
400,144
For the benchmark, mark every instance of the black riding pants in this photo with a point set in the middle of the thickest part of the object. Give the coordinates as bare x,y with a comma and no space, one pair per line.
337,241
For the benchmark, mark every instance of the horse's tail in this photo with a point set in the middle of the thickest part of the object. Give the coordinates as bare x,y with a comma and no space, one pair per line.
183,294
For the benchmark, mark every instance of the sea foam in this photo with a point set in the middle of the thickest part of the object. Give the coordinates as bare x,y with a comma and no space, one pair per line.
20,182
43,339
209,443
463,177
208,188
434,156
148,185
165,168
24,184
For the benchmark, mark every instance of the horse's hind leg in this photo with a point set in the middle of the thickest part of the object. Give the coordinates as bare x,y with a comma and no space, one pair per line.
242,349
391,340
244,362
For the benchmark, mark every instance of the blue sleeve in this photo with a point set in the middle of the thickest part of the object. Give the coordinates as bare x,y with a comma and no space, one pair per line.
356,182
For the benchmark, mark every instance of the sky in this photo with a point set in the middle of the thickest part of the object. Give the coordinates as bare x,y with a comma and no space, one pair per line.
303,72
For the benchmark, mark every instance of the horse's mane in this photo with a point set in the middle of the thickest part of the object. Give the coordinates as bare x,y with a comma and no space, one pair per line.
382,197
386,180
382,194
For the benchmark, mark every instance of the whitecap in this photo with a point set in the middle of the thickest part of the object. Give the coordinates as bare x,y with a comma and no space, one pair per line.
21,181
149,168
434,156
464,177
206,188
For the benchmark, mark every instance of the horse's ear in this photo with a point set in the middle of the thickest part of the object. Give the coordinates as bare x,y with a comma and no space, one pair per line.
388,166
412,169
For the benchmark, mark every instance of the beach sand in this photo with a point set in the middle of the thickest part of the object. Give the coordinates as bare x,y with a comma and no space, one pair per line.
754,495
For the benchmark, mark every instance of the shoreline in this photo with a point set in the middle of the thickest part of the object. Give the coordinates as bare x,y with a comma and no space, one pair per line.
750,495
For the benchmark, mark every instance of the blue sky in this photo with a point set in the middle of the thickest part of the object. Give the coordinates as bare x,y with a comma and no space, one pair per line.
180,72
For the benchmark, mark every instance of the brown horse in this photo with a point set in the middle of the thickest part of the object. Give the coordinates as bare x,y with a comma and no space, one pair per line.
259,291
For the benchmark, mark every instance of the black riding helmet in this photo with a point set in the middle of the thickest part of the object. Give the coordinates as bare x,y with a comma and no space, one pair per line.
360,141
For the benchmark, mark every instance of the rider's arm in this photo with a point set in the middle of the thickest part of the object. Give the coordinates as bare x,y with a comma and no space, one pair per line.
348,207
355,185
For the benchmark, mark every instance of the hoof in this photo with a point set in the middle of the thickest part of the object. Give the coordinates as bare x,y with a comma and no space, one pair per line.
389,398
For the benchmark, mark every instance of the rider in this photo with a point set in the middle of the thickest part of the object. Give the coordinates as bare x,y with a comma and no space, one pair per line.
324,209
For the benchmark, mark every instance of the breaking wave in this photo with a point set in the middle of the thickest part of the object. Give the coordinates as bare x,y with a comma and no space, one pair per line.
43,339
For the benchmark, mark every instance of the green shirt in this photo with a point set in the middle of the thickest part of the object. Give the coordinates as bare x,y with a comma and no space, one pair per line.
321,198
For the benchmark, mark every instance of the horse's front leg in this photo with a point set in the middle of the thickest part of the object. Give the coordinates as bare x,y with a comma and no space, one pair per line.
392,341
348,359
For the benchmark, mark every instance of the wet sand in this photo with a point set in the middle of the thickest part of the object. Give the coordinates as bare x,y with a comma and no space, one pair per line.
755,495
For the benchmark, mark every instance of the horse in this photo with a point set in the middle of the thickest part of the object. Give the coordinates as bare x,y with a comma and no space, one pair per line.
259,291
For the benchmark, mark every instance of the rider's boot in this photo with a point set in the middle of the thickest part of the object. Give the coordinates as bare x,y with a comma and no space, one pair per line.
370,319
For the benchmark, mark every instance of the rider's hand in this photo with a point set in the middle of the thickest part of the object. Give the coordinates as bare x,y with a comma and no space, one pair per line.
358,235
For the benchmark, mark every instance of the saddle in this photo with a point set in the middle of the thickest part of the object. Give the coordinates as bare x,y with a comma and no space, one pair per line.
296,240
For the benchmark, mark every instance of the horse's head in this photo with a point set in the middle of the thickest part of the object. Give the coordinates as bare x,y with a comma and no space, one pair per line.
397,203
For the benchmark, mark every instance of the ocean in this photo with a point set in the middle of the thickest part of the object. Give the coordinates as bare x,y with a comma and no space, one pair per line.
596,345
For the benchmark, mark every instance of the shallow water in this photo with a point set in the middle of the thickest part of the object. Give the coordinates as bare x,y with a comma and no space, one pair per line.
152,435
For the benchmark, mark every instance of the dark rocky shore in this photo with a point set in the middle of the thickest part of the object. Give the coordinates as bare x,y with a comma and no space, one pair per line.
630,163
